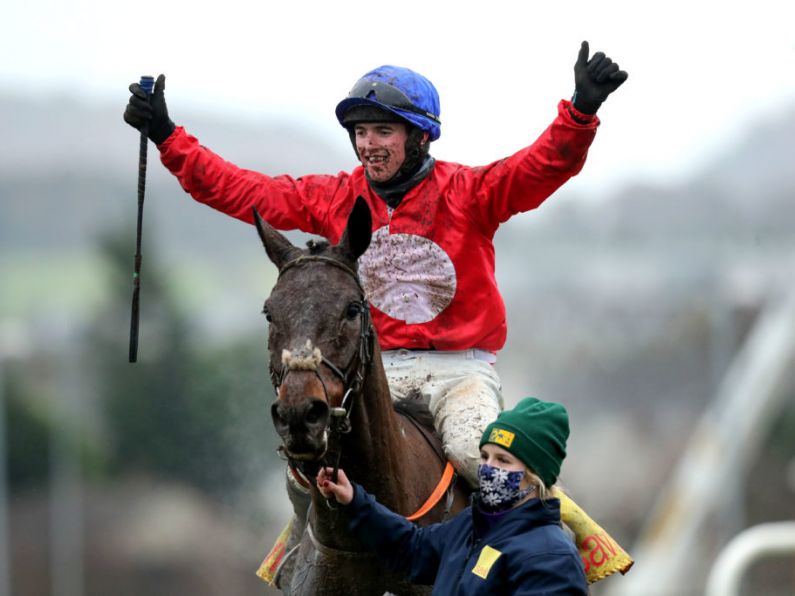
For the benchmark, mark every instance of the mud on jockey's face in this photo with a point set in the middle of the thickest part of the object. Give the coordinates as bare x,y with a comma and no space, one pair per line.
381,147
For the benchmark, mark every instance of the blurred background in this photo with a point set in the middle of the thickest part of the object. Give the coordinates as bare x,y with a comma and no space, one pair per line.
654,294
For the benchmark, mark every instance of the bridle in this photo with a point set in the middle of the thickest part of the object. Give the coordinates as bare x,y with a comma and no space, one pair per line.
352,375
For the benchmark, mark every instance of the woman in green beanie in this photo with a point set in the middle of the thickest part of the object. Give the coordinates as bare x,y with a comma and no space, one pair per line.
509,540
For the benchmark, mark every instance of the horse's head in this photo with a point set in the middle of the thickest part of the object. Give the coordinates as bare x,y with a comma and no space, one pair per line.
319,335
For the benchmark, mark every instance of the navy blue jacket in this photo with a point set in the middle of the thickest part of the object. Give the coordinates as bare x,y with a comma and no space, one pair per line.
525,553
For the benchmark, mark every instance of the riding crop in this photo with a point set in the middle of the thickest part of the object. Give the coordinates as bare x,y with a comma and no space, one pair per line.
147,84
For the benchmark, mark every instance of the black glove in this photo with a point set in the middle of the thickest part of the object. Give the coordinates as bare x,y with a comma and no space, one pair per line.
151,110
594,80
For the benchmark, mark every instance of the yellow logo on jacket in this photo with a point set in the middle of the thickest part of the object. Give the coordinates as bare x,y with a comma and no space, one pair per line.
501,436
488,556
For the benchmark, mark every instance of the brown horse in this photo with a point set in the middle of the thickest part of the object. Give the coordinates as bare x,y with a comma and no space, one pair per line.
333,406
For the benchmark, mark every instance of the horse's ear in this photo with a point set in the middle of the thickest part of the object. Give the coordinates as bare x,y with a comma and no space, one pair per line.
277,246
359,230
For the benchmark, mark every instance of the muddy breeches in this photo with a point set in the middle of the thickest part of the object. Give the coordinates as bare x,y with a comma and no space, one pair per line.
462,391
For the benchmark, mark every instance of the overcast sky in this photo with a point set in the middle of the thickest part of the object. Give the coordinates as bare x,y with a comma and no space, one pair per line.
701,72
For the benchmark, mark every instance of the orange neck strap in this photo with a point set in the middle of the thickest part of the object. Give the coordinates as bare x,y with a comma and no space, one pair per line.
436,495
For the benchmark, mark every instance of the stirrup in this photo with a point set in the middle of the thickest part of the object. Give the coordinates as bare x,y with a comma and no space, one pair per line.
277,575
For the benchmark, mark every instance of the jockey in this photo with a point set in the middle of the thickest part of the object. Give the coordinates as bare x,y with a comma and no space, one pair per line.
429,271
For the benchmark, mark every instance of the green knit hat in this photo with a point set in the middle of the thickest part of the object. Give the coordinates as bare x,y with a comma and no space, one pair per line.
535,431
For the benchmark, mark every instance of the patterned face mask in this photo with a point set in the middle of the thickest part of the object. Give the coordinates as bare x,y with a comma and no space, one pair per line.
499,488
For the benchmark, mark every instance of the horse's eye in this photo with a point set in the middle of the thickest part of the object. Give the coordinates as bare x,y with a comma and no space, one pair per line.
353,310
267,314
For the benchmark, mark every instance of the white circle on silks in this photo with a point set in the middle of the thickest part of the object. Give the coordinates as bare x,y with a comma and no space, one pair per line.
408,277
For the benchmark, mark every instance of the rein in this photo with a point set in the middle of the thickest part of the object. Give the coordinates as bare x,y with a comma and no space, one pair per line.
445,485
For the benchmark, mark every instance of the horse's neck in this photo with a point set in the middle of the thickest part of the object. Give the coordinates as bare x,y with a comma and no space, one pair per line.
375,449
374,455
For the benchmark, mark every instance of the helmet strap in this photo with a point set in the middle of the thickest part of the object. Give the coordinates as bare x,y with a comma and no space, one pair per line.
416,151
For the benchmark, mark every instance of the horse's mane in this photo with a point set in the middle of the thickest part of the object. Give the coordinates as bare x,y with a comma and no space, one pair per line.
317,247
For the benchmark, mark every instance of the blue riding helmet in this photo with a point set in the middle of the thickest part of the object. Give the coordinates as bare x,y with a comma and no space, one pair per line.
400,91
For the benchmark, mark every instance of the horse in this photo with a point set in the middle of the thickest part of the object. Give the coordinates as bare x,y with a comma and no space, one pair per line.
333,407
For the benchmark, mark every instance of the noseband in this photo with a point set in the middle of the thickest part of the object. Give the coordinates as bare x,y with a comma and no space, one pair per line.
352,375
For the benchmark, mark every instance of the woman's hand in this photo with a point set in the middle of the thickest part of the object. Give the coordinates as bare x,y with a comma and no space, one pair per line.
342,490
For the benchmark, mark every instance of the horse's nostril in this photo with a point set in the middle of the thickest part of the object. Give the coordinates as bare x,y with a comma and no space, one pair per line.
278,420
290,419
317,413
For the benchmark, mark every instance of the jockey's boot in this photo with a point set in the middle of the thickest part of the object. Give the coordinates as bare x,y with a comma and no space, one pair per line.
300,499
